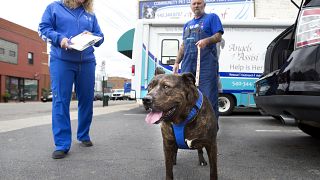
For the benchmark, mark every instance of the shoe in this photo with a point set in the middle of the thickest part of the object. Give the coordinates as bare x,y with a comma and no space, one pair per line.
86,143
58,154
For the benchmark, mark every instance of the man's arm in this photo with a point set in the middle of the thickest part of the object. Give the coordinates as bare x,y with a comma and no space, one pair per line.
210,40
178,59
215,38
180,54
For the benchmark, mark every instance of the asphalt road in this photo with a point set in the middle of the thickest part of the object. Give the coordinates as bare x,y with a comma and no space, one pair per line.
250,146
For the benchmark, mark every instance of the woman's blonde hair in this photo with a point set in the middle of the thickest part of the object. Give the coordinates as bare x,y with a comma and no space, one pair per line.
87,5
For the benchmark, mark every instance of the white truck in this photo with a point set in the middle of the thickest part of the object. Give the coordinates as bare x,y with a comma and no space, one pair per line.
241,61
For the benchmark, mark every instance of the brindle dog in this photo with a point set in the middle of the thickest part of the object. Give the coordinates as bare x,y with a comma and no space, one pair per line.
171,98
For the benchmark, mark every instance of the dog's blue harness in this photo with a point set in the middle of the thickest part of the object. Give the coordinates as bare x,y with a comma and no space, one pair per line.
178,129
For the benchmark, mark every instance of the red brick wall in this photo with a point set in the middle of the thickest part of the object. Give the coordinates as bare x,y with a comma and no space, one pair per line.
117,82
27,41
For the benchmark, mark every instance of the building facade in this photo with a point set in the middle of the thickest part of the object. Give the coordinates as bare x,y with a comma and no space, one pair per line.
117,82
225,9
24,72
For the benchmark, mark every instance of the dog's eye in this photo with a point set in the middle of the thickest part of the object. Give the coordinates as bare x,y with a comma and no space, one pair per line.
165,87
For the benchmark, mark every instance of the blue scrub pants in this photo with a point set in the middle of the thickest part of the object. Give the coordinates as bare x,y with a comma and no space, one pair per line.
63,75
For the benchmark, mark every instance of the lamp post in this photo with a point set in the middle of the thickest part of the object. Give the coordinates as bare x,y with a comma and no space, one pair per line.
104,85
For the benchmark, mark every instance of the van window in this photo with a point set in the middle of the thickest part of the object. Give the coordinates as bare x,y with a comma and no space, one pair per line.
169,51
308,31
310,3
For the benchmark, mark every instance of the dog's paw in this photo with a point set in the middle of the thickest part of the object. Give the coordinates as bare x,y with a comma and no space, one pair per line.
203,163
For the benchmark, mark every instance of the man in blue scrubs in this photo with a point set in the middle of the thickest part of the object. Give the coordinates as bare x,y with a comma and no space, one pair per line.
204,31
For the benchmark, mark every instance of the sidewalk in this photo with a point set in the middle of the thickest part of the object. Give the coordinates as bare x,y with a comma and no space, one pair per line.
11,125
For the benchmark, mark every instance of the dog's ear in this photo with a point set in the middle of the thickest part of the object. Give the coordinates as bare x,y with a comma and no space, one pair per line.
159,70
188,78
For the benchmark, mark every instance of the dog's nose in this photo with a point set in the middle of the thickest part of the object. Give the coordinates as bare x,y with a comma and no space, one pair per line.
147,99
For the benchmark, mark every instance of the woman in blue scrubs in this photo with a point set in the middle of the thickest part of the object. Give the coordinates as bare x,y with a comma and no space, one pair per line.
68,67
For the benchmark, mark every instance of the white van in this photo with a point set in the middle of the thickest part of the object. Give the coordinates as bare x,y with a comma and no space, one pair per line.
241,63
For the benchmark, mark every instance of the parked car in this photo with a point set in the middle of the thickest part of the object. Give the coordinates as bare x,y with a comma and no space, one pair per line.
27,96
290,84
97,95
47,97
118,94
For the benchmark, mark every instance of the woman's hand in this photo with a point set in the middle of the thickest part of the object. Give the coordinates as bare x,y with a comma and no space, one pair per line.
64,44
87,32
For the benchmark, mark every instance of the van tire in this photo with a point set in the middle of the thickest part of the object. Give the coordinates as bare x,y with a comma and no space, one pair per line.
310,130
226,104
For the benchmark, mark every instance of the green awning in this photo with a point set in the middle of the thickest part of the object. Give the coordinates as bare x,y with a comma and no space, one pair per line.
125,43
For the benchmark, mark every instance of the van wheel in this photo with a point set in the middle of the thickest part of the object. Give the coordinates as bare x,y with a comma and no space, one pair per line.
277,117
312,131
226,104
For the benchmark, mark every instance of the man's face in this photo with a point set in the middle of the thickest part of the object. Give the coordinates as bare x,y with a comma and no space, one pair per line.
197,7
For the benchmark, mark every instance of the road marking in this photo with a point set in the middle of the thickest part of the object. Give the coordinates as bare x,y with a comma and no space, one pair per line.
245,117
276,130
11,125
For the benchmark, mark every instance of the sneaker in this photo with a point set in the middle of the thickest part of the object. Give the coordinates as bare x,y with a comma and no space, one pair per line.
86,143
58,154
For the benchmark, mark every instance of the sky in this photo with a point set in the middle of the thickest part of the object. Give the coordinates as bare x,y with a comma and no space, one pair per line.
114,17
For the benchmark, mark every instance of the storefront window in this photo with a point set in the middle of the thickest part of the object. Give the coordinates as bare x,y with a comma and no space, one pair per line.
14,88
30,89
22,89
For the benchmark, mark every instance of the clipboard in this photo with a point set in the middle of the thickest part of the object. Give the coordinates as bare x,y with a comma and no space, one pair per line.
83,41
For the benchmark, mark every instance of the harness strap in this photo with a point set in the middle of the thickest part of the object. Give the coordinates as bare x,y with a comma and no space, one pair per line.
178,129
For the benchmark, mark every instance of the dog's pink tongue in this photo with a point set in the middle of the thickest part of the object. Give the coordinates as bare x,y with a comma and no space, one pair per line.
153,117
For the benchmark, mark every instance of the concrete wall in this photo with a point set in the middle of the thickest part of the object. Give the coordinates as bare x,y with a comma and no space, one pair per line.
276,9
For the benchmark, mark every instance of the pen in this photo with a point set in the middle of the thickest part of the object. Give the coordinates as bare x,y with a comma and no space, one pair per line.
69,41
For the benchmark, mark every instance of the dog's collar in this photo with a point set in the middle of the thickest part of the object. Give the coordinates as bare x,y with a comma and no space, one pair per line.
178,129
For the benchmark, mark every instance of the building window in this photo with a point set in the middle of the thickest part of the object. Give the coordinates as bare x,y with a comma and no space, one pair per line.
22,89
8,52
30,57
12,53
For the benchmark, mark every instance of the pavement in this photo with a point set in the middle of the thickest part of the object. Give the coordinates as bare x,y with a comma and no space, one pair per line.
119,152
38,120
250,146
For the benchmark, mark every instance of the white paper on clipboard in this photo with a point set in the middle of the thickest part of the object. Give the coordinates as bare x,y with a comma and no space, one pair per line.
83,41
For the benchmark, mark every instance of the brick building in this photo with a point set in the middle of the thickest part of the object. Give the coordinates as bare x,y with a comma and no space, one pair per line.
117,82
23,63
